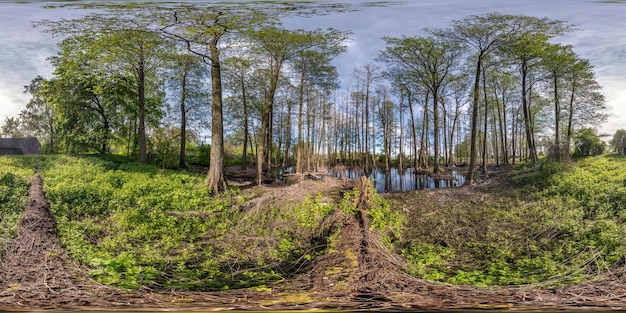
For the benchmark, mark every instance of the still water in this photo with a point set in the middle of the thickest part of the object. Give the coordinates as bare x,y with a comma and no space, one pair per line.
406,180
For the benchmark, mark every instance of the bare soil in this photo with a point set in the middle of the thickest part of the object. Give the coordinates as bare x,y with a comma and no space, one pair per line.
358,273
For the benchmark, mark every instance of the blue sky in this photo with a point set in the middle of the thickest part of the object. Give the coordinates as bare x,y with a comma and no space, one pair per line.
601,38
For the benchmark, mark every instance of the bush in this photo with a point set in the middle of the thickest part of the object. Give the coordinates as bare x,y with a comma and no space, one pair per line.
587,143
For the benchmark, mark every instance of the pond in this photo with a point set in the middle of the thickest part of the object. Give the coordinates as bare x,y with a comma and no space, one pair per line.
395,180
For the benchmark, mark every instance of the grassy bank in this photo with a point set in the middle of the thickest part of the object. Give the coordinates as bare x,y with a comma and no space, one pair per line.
550,223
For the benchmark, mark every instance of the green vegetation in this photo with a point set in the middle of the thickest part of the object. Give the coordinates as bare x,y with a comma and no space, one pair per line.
135,225
14,177
558,224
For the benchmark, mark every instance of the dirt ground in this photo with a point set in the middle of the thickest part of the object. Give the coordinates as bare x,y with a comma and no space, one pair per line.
360,273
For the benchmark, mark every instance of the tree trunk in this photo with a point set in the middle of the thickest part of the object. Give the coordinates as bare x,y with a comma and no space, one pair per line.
525,107
183,119
557,116
265,119
299,152
469,178
486,121
244,101
287,135
216,181
436,129
416,158
141,90
568,138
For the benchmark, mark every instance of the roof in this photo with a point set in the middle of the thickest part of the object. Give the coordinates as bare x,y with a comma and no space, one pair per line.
19,142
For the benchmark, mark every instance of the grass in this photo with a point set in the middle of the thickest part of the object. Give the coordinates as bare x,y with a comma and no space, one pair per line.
15,173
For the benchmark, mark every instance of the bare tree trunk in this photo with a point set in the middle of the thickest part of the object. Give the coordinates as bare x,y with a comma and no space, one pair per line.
216,180
469,179
486,121
525,106
141,87
415,156
557,117
183,118
287,135
568,138
245,125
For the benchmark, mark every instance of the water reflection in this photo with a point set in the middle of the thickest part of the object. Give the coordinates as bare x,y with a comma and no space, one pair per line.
407,180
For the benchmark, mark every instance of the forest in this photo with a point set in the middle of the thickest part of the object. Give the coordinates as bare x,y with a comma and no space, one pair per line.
165,129
183,84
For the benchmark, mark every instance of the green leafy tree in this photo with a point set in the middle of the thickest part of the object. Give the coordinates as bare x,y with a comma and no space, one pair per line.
126,46
618,142
586,103
11,128
587,143
87,97
201,29
431,60
37,118
187,77
280,46
485,34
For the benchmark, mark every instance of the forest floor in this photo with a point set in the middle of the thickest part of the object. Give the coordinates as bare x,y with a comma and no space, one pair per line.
359,273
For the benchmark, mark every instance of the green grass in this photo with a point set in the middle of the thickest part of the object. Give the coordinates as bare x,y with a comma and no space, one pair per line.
15,173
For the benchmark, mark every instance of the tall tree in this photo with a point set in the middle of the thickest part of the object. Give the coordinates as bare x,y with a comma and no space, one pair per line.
281,46
586,103
486,33
312,67
187,77
483,34
431,61
201,30
618,142
128,46
368,74
238,70
37,118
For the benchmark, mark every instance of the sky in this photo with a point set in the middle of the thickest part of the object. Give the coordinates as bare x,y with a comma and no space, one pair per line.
600,37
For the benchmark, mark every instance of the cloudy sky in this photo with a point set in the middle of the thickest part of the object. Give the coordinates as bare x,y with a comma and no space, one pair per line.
601,38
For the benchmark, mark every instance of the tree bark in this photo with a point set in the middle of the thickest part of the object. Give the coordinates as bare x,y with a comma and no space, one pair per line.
469,178
216,180
141,90
183,119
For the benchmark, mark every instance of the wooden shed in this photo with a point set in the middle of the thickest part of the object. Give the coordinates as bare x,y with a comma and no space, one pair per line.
12,146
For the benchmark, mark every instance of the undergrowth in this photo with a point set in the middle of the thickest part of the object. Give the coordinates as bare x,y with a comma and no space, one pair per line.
561,223
15,173
141,226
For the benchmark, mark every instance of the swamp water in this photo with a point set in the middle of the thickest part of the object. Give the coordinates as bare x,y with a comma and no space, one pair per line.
407,180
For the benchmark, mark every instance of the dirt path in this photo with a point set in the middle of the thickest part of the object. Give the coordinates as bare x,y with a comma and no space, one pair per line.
358,273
